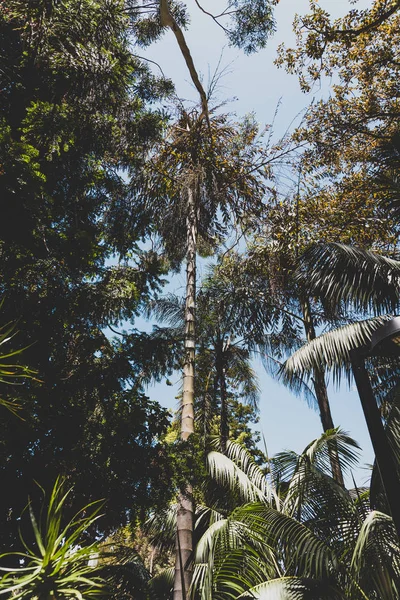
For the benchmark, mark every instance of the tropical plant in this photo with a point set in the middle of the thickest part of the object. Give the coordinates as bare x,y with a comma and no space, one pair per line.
353,278
206,173
60,564
222,360
11,372
267,309
368,282
75,114
318,540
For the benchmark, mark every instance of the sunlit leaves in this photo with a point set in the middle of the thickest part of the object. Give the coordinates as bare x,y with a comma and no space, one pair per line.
58,564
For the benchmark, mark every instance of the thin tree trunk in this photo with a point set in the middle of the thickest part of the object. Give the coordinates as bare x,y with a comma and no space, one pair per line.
185,508
167,19
321,393
224,426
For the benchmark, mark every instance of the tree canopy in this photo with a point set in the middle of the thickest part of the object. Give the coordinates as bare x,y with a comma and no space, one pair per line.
110,185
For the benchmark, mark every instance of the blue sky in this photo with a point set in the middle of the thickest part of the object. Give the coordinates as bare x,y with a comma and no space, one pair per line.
258,86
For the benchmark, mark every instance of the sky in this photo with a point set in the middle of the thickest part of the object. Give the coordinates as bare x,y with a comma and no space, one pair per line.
258,87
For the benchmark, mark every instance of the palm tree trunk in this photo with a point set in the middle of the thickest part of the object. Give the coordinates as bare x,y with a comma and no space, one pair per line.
224,426
185,508
321,393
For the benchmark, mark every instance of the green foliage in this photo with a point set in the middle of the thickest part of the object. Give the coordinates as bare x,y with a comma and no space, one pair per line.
226,164
357,279
222,364
351,137
247,25
362,280
75,115
318,541
10,371
252,24
58,566
293,533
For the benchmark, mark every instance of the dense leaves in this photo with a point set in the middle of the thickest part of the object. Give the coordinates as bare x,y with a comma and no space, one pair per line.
73,116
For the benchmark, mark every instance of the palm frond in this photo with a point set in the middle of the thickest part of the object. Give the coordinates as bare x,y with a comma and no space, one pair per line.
238,471
241,569
331,350
318,452
304,552
359,278
168,309
242,376
161,585
376,557
293,588
295,383
161,527
228,474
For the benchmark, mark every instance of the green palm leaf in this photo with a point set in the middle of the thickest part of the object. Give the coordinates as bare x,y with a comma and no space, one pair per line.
359,278
304,552
375,561
332,350
239,473
293,588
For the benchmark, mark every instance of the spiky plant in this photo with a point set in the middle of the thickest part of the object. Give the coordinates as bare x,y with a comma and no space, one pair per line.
60,565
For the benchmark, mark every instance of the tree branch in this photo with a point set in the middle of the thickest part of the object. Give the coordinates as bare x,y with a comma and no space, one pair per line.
168,20
356,32
214,17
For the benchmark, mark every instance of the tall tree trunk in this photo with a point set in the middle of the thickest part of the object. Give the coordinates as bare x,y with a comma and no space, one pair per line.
224,426
185,508
321,393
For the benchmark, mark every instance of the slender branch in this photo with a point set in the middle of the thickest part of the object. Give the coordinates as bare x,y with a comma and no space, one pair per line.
214,17
115,331
356,32
150,61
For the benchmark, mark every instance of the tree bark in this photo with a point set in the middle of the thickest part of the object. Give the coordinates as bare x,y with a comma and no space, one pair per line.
321,393
167,20
185,508
224,426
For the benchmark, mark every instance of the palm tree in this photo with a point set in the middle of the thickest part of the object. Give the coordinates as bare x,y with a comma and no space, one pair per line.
322,541
369,283
274,318
295,534
205,174
351,279
222,359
